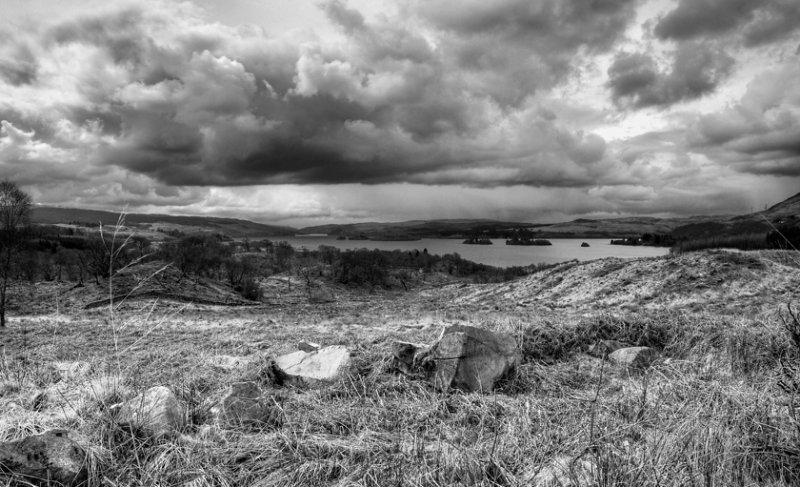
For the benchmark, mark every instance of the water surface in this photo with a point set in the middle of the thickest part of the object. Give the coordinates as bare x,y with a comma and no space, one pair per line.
499,254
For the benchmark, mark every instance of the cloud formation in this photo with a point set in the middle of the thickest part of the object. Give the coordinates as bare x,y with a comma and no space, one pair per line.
761,133
696,70
755,22
155,103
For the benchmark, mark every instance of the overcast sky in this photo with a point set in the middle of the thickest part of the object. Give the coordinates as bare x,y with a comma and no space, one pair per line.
304,112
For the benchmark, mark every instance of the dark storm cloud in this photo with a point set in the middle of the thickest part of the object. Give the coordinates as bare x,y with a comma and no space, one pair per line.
161,93
511,48
696,70
756,21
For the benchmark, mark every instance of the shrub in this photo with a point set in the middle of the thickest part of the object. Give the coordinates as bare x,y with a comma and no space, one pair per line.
250,289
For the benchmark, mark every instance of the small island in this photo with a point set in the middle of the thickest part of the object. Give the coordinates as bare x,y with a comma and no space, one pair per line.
477,241
585,244
524,236
528,241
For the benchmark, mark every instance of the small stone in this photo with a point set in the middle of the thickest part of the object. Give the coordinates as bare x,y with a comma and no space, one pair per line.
563,470
155,412
52,457
307,346
246,404
406,356
636,357
603,348
325,364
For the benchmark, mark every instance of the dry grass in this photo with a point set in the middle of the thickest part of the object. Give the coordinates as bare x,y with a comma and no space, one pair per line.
709,412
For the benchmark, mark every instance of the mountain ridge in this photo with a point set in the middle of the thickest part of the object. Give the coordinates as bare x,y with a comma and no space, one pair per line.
697,226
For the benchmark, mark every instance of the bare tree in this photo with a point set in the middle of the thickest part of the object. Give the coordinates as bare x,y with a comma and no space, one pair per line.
15,208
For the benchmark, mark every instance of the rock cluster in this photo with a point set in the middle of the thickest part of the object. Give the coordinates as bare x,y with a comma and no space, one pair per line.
466,358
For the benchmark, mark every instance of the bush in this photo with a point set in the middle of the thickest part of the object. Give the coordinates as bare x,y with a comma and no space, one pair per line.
250,289
784,237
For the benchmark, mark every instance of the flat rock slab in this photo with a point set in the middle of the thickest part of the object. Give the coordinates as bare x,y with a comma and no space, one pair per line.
472,359
636,357
46,459
155,412
325,364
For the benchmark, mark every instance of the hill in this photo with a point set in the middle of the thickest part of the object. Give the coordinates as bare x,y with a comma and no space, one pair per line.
786,212
232,227
701,281
616,227
693,227
416,229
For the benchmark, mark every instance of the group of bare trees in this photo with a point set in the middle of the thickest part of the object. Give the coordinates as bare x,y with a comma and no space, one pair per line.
15,208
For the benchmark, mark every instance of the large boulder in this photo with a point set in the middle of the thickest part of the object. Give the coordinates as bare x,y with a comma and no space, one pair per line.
155,412
635,357
246,404
325,364
46,459
472,359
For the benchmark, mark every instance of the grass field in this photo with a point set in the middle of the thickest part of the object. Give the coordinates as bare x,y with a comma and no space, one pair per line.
709,412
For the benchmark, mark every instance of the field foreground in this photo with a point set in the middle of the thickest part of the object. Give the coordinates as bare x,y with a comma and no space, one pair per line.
718,407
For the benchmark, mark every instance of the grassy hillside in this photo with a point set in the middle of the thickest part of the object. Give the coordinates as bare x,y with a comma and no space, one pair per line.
717,407
723,281
229,226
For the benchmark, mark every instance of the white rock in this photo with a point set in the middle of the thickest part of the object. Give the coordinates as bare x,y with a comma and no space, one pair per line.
637,357
326,364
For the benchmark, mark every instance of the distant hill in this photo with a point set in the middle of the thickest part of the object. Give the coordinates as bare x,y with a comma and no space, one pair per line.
188,224
785,212
617,227
580,228
415,229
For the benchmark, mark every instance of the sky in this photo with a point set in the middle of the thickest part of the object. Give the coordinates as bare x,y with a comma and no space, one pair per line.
299,112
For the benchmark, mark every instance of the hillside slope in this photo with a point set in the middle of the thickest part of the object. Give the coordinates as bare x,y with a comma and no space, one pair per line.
232,227
713,280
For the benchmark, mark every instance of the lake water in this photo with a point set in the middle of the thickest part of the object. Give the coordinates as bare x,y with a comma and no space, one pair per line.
499,254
